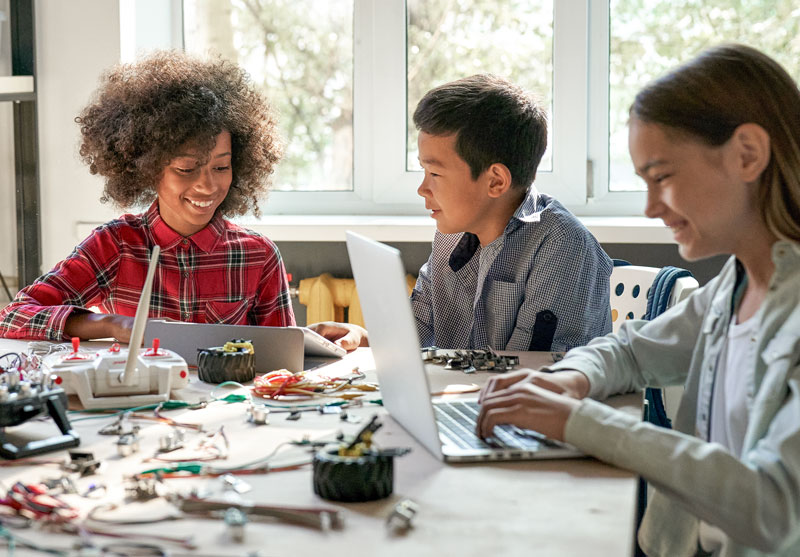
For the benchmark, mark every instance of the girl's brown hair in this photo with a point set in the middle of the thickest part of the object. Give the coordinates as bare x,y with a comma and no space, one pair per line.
724,87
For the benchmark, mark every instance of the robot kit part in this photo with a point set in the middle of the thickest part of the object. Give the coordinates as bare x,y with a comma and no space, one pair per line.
353,478
233,362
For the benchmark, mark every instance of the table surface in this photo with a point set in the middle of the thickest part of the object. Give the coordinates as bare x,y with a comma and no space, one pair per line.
555,507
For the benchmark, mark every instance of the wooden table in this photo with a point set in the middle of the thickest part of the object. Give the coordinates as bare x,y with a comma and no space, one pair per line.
559,508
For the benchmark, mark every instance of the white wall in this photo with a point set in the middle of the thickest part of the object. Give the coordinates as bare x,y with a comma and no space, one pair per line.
75,42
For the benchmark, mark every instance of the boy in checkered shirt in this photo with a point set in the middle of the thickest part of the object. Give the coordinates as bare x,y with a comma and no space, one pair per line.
510,267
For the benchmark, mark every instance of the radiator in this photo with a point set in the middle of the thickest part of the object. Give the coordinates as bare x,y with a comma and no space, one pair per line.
326,298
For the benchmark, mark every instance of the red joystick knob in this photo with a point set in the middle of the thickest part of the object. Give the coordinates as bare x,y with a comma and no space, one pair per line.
154,350
75,355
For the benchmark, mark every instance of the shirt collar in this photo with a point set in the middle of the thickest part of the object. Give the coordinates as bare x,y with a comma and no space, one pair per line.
530,210
786,252
206,239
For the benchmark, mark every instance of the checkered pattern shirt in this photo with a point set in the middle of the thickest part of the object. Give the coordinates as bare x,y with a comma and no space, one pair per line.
222,274
545,263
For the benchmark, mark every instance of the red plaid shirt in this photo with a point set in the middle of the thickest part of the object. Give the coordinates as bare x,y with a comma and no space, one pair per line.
222,274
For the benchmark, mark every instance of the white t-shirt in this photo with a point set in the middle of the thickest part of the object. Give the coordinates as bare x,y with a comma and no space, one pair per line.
733,386
730,403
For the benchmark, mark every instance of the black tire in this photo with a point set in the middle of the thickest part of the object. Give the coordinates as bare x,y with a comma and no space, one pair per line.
352,478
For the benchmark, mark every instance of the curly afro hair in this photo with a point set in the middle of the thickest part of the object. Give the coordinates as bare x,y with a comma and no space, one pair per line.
144,112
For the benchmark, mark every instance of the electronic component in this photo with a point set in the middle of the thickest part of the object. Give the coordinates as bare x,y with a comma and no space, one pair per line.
128,443
25,395
470,361
235,519
83,462
399,520
258,414
118,377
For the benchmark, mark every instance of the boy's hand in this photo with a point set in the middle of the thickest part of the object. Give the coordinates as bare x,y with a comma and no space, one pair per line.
346,335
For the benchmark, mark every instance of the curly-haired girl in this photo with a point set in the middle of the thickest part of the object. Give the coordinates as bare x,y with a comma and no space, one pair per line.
193,139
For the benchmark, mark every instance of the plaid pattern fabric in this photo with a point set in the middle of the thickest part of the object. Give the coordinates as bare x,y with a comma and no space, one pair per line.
469,296
222,274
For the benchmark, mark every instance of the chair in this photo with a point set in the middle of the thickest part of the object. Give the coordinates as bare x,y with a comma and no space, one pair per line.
644,293
630,294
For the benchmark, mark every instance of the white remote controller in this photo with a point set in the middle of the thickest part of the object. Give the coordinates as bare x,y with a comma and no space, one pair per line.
120,378
96,376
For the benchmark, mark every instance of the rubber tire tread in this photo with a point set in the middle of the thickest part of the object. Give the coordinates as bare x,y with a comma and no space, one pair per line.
352,479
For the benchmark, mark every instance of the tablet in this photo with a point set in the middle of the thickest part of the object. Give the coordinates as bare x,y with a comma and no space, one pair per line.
275,347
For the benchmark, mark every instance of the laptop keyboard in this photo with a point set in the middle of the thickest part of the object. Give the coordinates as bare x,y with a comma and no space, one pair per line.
457,421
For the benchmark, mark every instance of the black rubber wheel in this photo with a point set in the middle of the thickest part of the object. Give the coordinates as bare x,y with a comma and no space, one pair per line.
352,478
214,365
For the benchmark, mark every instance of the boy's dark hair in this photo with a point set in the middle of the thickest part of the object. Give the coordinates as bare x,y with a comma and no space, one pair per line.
495,121
144,112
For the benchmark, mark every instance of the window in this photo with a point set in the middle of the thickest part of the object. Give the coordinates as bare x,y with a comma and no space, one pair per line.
339,80
648,37
346,81
516,42
305,67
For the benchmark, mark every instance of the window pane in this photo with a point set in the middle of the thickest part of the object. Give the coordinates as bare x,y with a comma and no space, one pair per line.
649,37
448,40
304,66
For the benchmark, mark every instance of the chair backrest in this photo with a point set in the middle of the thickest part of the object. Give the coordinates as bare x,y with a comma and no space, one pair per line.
629,287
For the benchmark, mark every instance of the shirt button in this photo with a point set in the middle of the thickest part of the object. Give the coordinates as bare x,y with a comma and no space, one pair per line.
185,242
186,274
185,316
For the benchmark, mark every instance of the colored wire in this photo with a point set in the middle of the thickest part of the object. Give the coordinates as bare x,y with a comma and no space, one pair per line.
111,412
15,363
112,506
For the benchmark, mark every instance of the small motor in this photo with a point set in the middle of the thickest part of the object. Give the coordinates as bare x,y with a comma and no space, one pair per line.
233,362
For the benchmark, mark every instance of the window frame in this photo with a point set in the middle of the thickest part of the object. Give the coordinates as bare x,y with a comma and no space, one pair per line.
381,183
600,199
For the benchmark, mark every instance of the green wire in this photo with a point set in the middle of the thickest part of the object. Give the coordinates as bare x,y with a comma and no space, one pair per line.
168,405
185,467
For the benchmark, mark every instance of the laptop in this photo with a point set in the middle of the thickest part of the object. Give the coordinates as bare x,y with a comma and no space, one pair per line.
292,348
446,429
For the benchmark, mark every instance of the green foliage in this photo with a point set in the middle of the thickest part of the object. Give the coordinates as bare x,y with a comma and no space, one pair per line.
648,37
301,53
451,39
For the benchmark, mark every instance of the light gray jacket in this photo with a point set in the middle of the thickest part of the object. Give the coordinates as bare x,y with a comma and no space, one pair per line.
754,500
